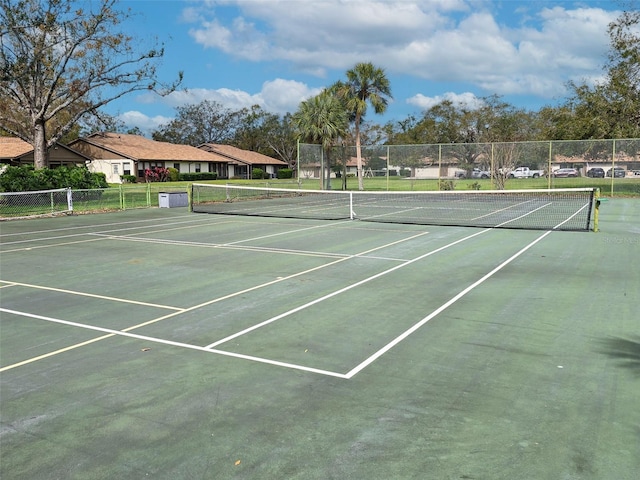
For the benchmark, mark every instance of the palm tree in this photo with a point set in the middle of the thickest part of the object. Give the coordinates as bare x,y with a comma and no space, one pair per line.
323,119
365,84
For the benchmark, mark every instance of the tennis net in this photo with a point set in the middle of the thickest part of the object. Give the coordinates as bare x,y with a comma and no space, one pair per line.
553,209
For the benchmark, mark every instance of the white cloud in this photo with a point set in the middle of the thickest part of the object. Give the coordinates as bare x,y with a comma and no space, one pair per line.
480,46
282,96
467,99
276,96
446,40
144,122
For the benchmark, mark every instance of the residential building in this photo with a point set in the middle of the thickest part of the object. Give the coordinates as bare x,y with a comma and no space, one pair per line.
117,154
242,162
15,151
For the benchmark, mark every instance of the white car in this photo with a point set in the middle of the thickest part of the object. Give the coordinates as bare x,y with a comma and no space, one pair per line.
477,173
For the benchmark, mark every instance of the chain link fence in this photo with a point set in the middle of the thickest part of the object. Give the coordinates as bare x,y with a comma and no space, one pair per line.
65,201
612,165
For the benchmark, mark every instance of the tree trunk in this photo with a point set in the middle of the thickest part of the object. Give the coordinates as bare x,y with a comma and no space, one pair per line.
39,146
359,154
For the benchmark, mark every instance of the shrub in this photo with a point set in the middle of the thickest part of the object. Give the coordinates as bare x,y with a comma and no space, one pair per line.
128,178
26,179
257,174
157,174
284,173
174,174
447,185
194,177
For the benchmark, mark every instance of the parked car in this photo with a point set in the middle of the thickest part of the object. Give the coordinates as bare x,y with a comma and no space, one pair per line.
596,172
617,172
566,172
526,172
477,173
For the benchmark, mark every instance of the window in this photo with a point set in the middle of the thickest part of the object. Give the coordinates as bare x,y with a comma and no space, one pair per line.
176,166
126,168
197,168
116,169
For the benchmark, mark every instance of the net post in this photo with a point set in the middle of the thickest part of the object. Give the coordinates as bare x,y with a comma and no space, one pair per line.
190,197
596,209
351,212
69,199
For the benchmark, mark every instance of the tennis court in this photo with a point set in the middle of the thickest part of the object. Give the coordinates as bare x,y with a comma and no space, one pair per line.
166,344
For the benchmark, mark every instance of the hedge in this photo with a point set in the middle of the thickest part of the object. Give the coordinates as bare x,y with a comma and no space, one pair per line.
27,179
194,177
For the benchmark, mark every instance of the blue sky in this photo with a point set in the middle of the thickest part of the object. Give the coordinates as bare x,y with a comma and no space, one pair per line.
276,53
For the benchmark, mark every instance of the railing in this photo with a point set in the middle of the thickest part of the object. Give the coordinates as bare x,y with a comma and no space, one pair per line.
61,201
603,162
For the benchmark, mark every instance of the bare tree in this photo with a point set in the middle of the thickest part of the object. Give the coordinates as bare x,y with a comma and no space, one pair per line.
62,60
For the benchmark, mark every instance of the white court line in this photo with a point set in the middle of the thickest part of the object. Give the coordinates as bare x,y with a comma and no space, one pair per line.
226,246
74,235
92,295
37,247
160,341
80,227
209,348
439,310
583,207
138,227
215,300
342,290
500,210
246,248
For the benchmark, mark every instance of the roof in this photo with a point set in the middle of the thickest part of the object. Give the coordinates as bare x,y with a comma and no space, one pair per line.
232,154
13,147
136,147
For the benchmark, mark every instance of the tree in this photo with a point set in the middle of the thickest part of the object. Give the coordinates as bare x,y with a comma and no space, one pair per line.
323,119
282,139
366,84
61,62
466,132
204,122
624,72
611,108
254,129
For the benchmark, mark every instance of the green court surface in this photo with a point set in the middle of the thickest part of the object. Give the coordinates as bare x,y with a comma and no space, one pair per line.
165,344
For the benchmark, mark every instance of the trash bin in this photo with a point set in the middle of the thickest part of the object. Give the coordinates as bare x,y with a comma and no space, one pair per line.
173,199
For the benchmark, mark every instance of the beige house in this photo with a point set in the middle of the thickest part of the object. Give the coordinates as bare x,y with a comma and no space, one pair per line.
242,162
116,154
15,152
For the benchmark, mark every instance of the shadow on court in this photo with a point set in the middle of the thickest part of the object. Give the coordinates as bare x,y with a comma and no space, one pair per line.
626,351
